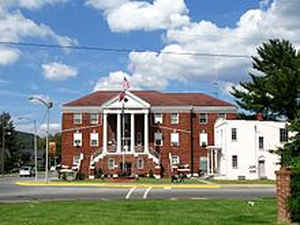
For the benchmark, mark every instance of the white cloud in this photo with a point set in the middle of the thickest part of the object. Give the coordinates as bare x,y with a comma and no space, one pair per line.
8,56
125,15
227,87
14,27
58,71
53,128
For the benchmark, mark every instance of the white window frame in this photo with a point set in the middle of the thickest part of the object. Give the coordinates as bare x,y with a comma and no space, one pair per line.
261,143
158,118
93,120
236,165
161,139
140,166
203,138
77,139
111,167
94,136
206,118
174,135
77,120
236,137
174,118
286,135
175,159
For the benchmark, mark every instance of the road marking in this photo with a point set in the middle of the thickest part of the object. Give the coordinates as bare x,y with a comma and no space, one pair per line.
130,192
167,188
146,192
199,198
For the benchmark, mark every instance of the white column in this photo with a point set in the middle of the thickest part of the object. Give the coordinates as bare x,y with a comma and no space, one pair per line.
208,162
216,160
118,132
211,162
146,133
104,132
132,133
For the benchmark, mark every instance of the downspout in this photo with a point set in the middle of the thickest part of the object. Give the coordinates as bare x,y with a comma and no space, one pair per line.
192,142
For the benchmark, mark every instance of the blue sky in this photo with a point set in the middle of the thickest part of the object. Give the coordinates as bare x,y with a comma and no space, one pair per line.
156,26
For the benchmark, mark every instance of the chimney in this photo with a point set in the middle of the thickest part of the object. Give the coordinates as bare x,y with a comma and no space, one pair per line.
259,116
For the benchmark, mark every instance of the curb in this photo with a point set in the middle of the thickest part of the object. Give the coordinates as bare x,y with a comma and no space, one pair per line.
161,186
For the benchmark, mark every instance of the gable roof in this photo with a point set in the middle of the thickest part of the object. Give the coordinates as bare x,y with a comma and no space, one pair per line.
154,98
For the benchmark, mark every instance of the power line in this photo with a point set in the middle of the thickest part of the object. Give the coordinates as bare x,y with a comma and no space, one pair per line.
119,50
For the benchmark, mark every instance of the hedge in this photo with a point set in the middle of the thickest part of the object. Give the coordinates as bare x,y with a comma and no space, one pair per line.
294,200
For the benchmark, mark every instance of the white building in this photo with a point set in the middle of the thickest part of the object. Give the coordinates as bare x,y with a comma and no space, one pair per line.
242,149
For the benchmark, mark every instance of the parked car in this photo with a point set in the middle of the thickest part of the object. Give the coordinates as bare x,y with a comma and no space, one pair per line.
26,171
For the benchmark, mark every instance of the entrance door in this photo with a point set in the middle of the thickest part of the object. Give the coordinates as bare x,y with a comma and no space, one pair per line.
261,169
127,169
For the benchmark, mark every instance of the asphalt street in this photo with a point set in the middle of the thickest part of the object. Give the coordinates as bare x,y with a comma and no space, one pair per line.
10,192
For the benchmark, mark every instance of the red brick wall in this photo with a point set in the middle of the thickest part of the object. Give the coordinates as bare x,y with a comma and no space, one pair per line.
283,190
183,150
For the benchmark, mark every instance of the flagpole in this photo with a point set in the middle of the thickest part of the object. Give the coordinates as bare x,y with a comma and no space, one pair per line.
123,138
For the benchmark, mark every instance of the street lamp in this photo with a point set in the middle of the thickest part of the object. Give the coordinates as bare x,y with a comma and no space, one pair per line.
49,105
35,144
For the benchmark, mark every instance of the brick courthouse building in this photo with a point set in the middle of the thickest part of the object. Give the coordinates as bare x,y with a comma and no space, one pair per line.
159,132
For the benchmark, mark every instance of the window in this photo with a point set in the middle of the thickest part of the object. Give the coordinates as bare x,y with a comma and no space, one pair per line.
283,135
203,139
158,139
222,115
111,164
175,160
234,162
261,142
140,164
233,134
203,118
174,139
94,139
174,118
158,118
77,118
203,164
77,139
94,118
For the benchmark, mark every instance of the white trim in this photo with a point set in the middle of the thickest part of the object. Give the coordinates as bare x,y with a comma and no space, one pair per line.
127,111
215,109
128,93
170,109
81,109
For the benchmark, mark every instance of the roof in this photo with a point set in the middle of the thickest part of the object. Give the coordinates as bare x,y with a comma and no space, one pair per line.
154,98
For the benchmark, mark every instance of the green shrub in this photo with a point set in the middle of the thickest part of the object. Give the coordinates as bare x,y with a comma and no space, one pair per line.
98,173
81,176
151,175
294,200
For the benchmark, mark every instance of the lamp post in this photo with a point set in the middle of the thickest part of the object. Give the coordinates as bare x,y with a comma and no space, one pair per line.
35,145
49,105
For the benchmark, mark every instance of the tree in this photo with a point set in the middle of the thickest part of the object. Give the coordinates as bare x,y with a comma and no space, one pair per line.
6,125
272,89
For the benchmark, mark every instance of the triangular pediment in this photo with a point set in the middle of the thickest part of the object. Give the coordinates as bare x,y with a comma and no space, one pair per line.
132,101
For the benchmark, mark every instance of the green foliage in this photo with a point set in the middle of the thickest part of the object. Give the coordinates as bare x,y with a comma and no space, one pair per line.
151,175
273,88
6,126
290,153
98,173
294,200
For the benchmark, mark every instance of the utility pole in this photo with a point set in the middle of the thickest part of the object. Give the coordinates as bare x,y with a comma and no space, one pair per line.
35,150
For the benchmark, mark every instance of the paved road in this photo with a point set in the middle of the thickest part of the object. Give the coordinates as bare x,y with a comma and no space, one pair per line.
9,192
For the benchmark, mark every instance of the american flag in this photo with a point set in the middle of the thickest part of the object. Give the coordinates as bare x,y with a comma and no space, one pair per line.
125,84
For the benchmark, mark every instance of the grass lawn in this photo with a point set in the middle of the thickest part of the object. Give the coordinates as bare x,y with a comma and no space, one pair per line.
156,212
262,181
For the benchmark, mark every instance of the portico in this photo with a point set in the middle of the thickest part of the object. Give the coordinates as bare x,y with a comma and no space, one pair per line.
129,120
132,143
213,160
